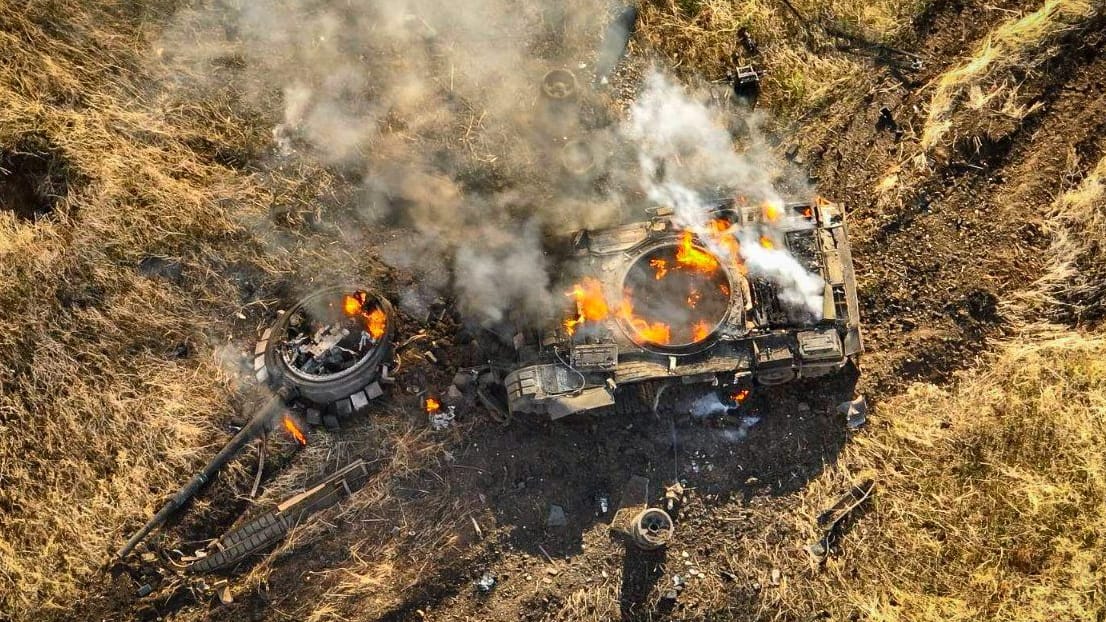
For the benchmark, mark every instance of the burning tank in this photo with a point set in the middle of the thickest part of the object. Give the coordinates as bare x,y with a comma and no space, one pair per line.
654,302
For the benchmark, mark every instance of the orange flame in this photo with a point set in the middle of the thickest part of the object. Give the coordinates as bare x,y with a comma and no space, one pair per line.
351,305
701,331
649,332
375,321
808,213
767,242
692,258
772,212
432,405
590,303
293,430
740,396
661,267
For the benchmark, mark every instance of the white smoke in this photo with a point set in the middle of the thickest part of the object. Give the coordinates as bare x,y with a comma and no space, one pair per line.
686,153
709,405
798,289
433,107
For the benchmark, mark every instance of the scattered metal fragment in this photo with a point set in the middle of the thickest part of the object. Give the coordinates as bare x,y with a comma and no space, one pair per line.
747,41
832,519
673,497
269,528
486,583
652,529
855,411
556,517
673,592
746,85
442,419
604,504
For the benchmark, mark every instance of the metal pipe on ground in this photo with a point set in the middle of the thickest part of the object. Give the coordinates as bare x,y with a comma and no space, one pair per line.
256,426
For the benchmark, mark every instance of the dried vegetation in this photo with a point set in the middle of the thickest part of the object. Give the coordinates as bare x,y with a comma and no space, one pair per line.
981,98
992,491
110,387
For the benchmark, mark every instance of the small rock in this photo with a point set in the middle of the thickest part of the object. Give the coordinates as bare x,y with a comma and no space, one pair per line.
552,571
556,517
776,574
546,580
225,595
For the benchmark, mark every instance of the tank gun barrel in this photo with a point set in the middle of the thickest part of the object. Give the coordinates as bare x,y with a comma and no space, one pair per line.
254,428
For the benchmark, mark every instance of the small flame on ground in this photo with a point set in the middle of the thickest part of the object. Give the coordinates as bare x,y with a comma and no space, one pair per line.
432,405
294,430
767,242
740,396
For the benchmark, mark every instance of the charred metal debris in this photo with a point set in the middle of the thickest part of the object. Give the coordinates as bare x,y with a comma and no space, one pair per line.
652,309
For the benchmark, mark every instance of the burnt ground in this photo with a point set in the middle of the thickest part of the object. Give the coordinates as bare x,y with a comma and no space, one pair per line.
935,259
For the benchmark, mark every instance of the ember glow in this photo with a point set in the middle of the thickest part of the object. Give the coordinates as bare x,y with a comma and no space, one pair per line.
701,331
432,405
740,396
293,430
661,266
693,298
376,322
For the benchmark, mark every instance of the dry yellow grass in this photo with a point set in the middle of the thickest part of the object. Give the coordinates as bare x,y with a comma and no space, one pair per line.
993,492
1074,288
985,86
701,37
992,497
96,418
